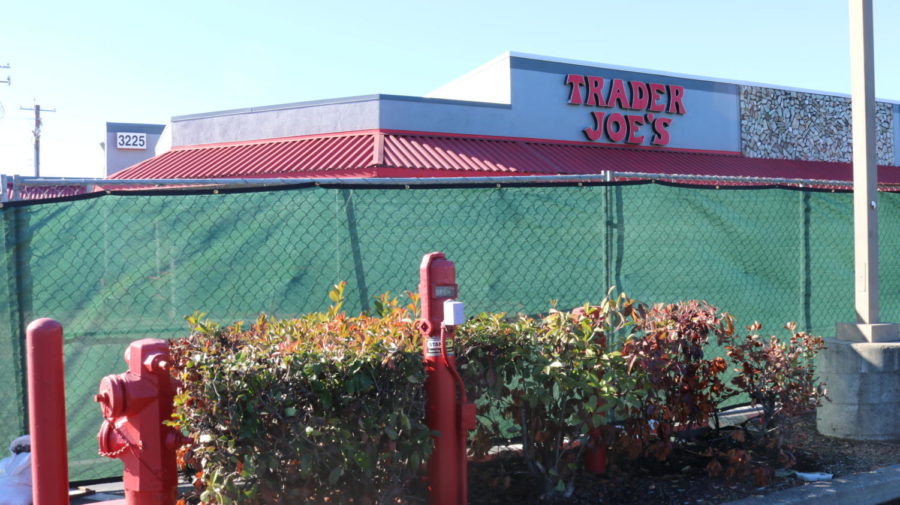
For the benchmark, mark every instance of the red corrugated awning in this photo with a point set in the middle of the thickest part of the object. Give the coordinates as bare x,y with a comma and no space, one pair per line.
384,153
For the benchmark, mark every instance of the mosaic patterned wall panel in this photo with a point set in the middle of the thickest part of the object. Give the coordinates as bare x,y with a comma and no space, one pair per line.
786,124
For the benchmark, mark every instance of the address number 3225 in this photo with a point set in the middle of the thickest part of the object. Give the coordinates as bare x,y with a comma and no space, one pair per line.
131,141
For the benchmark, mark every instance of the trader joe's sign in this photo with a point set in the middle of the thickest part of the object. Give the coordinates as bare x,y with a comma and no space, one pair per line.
630,112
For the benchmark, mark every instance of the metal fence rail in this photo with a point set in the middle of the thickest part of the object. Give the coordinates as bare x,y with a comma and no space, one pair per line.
18,186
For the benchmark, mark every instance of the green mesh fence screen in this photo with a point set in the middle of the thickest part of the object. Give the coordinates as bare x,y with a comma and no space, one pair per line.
119,267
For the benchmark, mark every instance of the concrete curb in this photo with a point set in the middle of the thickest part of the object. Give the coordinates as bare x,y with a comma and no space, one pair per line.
868,488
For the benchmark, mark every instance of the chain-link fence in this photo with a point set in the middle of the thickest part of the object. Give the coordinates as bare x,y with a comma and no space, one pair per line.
113,268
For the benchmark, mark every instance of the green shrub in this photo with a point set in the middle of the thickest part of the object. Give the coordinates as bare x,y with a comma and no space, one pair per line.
329,406
547,382
777,375
642,376
681,387
322,407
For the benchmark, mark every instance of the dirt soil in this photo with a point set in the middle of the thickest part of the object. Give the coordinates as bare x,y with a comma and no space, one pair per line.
506,481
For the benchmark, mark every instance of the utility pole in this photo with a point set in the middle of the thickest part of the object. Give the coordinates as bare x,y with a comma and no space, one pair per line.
868,327
37,136
865,167
862,365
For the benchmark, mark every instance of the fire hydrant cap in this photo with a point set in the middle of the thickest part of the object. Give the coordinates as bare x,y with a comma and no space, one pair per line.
106,432
111,442
112,396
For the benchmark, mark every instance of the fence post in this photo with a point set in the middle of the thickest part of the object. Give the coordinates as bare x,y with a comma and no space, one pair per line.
15,190
20,233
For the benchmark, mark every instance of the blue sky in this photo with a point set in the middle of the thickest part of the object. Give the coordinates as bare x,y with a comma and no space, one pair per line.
144,62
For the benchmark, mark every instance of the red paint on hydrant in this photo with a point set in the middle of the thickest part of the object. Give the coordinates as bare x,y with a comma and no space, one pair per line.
134,405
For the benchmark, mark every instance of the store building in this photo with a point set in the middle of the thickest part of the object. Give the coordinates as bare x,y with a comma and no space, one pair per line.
527,115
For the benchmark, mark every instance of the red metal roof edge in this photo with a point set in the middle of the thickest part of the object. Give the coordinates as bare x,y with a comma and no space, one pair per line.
617,147
379,133
378,151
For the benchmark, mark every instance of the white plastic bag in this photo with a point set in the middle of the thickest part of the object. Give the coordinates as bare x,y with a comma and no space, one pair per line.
15,473
813,476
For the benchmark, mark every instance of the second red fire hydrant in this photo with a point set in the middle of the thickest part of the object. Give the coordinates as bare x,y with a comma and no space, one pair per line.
135,404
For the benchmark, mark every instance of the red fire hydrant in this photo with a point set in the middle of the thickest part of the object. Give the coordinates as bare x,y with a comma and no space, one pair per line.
447,410
135,404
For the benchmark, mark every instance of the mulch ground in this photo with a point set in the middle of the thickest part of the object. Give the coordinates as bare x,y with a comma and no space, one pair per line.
683,481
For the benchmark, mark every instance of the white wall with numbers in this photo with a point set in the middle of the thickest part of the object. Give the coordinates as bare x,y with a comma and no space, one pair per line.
130,143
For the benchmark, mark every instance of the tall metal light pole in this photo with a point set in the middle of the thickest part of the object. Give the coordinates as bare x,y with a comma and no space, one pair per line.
868,326
865,164
862,365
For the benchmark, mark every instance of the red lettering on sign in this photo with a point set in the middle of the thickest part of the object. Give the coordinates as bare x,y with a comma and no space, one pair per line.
634,124
576,82
656,92
622,94
676,93
616,127
595,91
660,131
594,133
639,98
617,95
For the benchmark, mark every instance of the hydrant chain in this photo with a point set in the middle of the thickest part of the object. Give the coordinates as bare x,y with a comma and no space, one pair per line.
115,454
